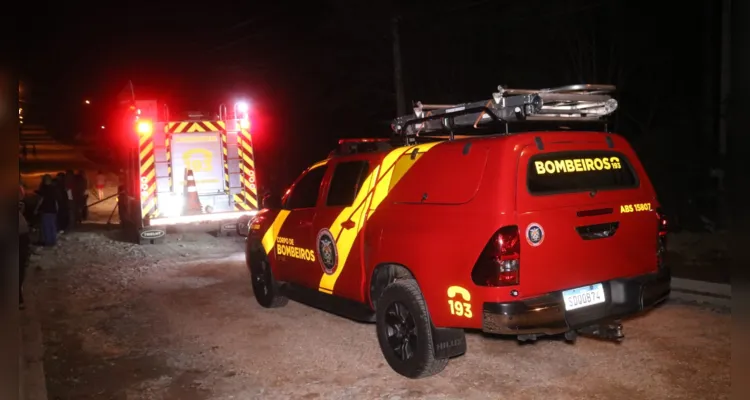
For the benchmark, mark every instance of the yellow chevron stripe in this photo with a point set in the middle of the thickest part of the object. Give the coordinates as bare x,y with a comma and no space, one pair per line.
242,206
196,127
144,139
247,147
210,125
248,161
269,238
147,207
146,165
151,177
147,152
252,201
379,184
225,151
181,127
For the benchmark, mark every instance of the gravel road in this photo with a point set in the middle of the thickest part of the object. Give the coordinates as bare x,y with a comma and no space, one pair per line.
179,321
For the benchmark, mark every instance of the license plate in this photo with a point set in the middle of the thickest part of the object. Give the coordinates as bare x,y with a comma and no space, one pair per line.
583,296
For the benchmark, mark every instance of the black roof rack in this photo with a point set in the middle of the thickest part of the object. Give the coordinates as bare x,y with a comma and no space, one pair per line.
573,103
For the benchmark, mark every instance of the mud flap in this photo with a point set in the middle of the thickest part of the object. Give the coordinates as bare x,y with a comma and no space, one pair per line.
152,235
448,342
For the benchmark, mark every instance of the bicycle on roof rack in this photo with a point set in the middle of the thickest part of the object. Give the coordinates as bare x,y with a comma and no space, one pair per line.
572,103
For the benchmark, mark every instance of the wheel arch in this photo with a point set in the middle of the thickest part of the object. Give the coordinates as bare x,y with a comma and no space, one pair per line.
383,275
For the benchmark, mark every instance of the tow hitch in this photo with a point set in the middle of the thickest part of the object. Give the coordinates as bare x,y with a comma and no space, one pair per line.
606,331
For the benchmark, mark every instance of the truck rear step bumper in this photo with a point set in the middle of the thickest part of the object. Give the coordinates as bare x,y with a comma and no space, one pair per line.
546,314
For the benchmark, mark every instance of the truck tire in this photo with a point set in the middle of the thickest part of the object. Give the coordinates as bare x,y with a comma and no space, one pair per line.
405,331
265,287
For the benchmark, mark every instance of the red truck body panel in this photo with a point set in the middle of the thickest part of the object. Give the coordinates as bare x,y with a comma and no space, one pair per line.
432,208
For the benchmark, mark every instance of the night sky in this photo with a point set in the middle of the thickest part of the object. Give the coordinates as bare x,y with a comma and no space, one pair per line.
319,71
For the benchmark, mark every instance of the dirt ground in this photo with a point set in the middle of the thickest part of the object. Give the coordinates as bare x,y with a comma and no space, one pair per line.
179,321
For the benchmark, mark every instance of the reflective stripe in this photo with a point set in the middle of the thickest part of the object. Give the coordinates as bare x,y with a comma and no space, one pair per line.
269,238
379,184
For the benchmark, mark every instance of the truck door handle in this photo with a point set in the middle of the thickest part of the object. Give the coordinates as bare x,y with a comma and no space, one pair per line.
347,224
305,223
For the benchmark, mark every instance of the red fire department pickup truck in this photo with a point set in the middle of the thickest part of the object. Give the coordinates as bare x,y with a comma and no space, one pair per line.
433,231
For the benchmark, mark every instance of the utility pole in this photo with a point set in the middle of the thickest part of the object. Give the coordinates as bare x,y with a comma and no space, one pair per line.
724,82
726,6
398,79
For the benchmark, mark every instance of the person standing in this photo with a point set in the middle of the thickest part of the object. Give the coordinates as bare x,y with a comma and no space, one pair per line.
48,207
63,212
79,196
101,180
70,188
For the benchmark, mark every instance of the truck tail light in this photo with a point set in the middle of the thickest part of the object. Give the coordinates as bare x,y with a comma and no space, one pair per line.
500,261
661,238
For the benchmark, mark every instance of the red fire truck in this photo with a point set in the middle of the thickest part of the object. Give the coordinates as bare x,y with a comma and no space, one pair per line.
216,149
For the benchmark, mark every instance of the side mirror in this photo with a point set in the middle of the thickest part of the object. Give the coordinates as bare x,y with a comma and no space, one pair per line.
271,201
243,225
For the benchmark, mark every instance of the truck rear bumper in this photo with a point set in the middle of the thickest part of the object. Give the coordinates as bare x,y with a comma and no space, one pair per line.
547,315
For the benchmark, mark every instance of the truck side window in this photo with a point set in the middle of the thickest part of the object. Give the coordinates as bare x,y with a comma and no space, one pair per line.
346,181
305,192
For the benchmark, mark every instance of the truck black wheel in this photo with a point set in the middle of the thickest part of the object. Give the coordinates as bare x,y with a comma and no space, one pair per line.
265,288
405,331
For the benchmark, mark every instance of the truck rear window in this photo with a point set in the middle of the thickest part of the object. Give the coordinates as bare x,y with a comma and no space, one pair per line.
580,171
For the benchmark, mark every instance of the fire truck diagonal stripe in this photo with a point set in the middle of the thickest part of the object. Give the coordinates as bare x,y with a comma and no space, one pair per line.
147,165
379,183
147,150
210,126
150,176
195,127
221,124
248,161
147,207
239,204
247,147
253,202
179,127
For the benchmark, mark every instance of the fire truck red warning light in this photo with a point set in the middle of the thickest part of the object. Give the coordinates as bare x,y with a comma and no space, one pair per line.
144,127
